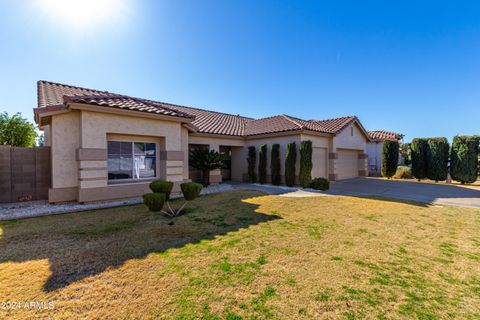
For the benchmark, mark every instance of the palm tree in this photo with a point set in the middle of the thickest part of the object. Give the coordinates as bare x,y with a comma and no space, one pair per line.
205,160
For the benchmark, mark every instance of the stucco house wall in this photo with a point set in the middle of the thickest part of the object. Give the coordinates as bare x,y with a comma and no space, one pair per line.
79,149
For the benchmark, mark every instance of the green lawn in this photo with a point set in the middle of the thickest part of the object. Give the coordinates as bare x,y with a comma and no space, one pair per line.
244,255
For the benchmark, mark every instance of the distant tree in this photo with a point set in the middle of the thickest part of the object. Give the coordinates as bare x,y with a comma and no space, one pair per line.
16,131
437,159
252,160
418,149
41,140
390,152
262,164
464,159
306,164
290,159
275,164
206,161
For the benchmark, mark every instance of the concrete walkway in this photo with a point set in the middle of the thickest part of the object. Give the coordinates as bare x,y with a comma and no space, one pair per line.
440,193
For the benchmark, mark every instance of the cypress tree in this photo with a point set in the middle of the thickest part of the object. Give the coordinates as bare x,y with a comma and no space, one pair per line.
290,159
275,164
262,164
418,149
306,163
437,159
252,160
389,158
464,159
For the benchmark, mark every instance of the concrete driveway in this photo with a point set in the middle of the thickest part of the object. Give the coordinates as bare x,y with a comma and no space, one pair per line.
408,190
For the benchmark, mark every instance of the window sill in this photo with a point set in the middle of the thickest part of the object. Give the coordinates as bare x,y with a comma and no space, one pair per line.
130,181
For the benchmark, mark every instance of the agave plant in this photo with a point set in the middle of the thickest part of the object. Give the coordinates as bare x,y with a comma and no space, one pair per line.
205,160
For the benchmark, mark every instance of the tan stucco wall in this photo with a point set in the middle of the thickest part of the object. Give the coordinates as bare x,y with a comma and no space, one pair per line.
214,143
344,140
282,141
325,143
65,135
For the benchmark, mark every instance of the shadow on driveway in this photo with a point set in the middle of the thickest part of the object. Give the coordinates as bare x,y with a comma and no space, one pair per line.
408,190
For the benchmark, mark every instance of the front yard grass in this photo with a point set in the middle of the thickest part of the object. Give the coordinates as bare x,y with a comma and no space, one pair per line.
244,255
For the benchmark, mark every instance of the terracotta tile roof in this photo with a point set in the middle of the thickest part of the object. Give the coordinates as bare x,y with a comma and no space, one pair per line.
52,96
382,135
215,122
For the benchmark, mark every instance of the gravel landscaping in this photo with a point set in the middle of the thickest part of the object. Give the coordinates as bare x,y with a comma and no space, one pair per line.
30,209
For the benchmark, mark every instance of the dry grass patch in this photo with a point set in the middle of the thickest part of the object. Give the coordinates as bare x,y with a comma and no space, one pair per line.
243,255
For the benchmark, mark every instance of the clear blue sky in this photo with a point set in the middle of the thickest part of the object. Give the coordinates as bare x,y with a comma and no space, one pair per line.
406,66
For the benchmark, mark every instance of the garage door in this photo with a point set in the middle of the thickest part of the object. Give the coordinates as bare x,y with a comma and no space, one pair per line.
319,159
347,164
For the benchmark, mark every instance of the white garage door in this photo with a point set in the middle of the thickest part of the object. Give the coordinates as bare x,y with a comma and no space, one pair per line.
319,159
347,164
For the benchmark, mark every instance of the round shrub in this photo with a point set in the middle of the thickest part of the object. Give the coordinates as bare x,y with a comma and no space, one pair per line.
191,190
403,172
320,184
162,186
154,201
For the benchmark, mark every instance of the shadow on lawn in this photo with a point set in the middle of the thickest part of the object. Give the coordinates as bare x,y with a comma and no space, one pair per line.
80,245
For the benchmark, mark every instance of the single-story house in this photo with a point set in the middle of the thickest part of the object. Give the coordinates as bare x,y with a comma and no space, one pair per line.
106,145
375,146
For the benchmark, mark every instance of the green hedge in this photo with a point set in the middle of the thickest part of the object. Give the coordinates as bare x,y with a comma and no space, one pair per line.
390,151
305,163
437,159
262,164
418,149
320,184
275,164
162,186
464,159
290,159
252,160
154,201
191,190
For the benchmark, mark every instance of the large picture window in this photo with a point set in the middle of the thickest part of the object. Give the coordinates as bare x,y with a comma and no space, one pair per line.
131,160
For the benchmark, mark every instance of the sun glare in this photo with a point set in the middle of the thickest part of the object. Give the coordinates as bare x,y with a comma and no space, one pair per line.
83,14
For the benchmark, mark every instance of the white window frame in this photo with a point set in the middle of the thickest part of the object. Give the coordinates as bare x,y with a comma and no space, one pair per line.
133,180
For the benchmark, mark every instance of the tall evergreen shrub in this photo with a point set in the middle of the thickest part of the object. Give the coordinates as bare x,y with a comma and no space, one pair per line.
275,164
437,159
464,159
418,149
290,159
389,158
306,163
262,164
252,161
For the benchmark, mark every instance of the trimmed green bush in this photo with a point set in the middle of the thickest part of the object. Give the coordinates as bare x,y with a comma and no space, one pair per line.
320,184
290,159
252,160
162,186
191,190
464,159
154,201
306,163
403,172
262,164
275,164
418,149
390,151
437,159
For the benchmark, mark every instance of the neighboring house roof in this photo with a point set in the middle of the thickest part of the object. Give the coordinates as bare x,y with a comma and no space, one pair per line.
380,135
55,96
